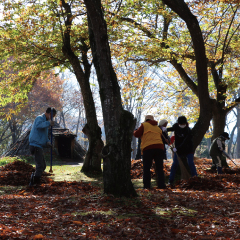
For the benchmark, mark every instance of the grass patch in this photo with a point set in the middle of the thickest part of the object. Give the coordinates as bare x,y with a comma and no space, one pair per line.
138,183
6,160
175,211
85,213
66,172
10,189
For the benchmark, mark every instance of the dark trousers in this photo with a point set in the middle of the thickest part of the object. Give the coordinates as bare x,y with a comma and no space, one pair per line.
39,160
148,157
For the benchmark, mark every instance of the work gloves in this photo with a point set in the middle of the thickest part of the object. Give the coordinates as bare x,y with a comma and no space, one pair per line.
52,123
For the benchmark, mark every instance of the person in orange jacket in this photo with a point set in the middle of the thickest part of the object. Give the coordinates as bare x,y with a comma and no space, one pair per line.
152,148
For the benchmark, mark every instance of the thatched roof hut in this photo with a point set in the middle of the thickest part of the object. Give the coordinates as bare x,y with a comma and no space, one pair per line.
64,142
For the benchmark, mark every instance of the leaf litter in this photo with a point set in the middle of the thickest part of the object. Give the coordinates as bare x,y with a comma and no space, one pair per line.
204,207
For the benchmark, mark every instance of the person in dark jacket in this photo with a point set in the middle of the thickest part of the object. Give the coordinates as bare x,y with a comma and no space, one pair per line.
38,139
152,148
216,151
183,147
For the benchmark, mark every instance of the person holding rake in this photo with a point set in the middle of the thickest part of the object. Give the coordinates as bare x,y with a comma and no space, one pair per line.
38,139
183,147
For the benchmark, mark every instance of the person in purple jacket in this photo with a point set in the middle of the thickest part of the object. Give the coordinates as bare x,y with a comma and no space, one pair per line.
38,139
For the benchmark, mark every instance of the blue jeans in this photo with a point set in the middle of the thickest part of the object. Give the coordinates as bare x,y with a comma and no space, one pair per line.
175,165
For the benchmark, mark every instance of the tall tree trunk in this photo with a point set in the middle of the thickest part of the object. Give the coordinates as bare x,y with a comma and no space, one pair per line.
119,124
138,114
201,90
78,122
13,128
238,133
231,145
92,161
94,152
208,146
219,120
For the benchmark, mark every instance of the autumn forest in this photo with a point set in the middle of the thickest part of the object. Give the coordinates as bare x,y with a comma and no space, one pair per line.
104,65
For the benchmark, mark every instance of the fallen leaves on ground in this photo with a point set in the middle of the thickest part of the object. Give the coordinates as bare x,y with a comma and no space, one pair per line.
137,169
18,173
204,207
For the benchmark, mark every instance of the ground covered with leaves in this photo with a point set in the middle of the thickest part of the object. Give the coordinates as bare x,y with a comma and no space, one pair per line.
204,207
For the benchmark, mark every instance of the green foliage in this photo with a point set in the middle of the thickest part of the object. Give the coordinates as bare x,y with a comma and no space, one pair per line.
32,39
143,39
145,32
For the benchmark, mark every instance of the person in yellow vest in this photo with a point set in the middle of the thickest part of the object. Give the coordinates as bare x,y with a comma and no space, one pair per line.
152,148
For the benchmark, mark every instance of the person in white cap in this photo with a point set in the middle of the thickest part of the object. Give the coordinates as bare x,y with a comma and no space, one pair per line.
152,147
163,125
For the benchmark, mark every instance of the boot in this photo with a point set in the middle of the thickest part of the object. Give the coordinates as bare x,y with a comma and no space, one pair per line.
213,167
31,180
170,184
219,170
37,180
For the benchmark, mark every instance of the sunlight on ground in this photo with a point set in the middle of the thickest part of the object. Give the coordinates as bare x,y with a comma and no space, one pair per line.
73,173
69,173
175,211
84,213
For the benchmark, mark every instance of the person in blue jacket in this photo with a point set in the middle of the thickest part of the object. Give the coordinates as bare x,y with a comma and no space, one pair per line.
38,139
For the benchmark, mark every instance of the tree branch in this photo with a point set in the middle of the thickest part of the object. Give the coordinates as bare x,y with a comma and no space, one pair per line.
185,76
233,105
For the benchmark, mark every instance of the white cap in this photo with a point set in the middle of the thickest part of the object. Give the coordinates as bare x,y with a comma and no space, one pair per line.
149,117
162,122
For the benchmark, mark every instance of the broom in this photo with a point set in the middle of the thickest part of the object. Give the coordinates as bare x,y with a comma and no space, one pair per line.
185,175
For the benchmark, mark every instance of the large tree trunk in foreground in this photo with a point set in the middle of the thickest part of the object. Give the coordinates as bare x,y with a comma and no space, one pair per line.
92,160
119,124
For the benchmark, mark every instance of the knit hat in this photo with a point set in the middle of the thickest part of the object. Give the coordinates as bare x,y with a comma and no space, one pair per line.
225,135
150,117
162,122
182,120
